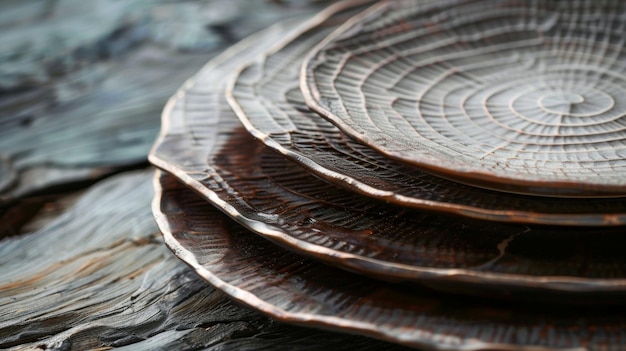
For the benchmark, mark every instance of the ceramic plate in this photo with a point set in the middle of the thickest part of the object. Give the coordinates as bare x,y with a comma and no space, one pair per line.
265,95
517,96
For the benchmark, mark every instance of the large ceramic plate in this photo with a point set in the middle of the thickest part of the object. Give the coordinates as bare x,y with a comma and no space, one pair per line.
519,96
301,291
204,145
265,95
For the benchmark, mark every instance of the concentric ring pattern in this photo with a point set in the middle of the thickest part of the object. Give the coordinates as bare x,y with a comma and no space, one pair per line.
521,96
266,97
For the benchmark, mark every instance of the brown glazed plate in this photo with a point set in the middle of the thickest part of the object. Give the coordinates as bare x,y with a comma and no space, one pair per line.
204,145
297,290
521,96
266,97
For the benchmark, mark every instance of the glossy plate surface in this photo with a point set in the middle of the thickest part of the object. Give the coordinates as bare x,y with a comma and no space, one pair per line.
266,97
297,290
204,145
519,96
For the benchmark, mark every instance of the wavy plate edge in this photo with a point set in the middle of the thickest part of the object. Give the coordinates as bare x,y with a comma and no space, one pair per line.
353,262
308,319
357,263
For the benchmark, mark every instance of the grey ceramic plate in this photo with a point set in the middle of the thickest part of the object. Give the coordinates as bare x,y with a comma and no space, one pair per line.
204,145
517,96
296,290
266,97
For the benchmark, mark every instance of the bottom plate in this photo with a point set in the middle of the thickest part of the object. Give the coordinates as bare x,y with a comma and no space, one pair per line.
297,290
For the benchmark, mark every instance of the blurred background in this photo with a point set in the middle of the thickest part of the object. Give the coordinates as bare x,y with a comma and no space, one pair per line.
83,83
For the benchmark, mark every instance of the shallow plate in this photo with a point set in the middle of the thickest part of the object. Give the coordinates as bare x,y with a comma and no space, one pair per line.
265,95
204,145
518,96
297,290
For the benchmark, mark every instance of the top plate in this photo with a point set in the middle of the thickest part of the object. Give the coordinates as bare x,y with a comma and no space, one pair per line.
265,95
517,96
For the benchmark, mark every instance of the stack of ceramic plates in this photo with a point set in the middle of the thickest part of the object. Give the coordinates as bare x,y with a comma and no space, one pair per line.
440,174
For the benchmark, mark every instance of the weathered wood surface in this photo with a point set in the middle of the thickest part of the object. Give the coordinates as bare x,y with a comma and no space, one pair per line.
98,276
82,84
82,264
